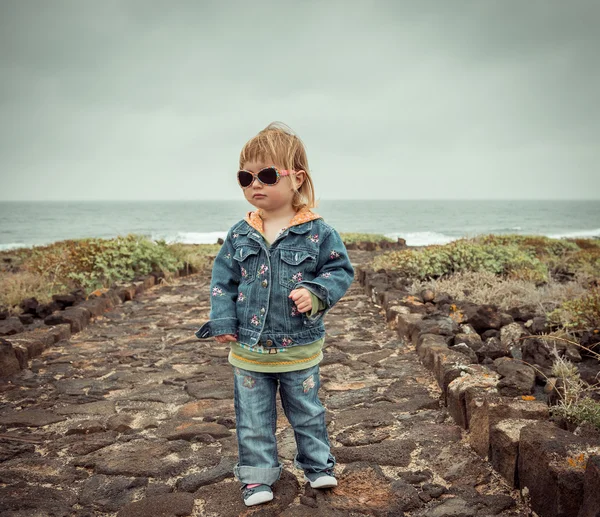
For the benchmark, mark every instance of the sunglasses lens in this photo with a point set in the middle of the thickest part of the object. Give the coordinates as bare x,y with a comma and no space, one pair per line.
245,178
268,176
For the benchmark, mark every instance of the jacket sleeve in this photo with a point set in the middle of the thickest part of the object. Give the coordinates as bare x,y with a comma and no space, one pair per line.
224,283
317,304
334,275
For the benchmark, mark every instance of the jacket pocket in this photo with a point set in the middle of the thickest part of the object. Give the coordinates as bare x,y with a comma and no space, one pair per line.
295,265
247,258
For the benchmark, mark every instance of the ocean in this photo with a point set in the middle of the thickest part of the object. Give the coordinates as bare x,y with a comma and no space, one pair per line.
34,223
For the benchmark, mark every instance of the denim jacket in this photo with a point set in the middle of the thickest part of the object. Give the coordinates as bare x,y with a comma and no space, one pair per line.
251,282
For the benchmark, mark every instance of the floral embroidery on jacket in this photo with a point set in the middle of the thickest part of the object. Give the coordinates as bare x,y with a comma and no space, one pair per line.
297,277
263,269
314,238
327,274
334,254
217,291
286,341
255,320
244,272
295,311
228,255
241,297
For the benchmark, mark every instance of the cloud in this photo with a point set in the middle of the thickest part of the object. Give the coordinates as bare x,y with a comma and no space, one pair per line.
435,99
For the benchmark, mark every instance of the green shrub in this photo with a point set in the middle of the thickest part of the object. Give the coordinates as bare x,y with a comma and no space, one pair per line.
537,245
579,314
585,262
350,237
94,263
585,409
464,255
575,403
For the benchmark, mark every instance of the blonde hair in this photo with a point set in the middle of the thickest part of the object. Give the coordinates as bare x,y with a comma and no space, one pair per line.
278,142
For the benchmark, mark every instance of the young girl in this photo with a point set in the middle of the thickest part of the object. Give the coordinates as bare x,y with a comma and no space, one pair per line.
278,273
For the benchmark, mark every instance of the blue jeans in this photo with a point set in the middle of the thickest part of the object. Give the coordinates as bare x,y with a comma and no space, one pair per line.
256,423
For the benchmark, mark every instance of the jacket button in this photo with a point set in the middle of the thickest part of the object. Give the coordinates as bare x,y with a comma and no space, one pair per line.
262,310
269,342
264,283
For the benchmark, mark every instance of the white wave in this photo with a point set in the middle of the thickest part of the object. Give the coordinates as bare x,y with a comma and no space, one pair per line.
13,246
192,237
579,234
422,238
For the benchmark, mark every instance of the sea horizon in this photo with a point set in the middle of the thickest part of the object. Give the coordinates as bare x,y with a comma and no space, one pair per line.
418,221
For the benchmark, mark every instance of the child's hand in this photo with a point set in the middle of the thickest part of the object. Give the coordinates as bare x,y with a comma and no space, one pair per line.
224,338
302,299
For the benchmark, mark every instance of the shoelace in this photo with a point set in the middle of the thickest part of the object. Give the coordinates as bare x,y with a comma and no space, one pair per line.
248,491
328,472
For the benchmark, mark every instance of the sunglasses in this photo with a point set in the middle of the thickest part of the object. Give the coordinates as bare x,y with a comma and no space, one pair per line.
267,176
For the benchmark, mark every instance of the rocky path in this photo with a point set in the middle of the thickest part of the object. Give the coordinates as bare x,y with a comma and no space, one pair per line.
134,417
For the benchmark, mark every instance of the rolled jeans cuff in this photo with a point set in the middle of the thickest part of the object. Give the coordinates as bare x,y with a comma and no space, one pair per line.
247,474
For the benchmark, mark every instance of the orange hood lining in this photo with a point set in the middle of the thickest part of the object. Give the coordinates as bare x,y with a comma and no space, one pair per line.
305,214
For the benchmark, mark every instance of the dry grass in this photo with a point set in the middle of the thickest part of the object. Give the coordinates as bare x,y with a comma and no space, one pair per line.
484,287
24,284
575,401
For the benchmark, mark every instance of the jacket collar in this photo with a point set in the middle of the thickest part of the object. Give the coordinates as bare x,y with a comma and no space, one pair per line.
304,215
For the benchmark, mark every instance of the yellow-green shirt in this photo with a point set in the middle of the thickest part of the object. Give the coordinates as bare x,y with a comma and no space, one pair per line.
294,358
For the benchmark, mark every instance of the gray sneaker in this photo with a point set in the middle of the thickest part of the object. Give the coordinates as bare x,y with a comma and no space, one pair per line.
321,479
257,495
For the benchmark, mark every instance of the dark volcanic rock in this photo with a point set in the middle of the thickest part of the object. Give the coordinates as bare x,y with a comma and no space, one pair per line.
29,305
441,325
32,500
465,350
473,341
142,458
210,390
109,493
550,467
167,505
517,378
523,313
482,317
9,449
492,349
223,470
537,351
9,364
591,494
388,452
11,326
191,429
220,502
30,418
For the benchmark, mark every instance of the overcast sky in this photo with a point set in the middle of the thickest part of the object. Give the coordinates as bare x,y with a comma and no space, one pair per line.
393,99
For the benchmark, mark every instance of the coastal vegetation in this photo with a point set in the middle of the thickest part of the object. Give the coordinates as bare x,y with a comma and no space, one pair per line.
558,279
90,264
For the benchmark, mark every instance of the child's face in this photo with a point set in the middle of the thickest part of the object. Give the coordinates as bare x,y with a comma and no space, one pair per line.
271,196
